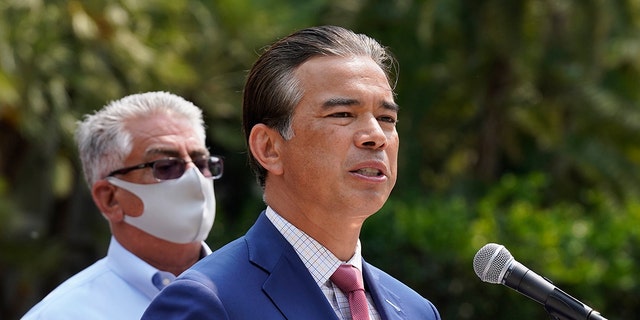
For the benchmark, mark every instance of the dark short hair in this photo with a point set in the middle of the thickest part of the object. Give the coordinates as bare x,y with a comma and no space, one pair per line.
272,91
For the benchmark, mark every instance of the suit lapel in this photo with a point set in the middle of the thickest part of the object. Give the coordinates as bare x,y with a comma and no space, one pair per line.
294,292
388,304
289,284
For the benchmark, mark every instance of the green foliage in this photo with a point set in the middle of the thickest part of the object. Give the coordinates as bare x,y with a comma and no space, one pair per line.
590,250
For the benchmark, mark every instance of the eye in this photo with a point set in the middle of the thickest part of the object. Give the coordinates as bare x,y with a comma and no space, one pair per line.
340,115
388,119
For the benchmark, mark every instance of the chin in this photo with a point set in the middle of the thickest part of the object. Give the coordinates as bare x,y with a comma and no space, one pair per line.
370,206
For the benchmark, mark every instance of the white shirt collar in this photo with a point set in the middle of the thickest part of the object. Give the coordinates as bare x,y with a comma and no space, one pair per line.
317,258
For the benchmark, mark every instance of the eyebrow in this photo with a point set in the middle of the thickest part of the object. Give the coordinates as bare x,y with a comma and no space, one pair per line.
334,102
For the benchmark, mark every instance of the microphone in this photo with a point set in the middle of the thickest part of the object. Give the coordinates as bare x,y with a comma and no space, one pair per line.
494,264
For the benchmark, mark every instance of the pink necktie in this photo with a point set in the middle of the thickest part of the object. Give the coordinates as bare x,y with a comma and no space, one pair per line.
349,280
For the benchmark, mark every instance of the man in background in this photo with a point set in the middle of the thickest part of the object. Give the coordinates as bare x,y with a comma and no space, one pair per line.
151,175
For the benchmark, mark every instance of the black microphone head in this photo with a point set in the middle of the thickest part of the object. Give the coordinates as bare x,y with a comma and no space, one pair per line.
491,262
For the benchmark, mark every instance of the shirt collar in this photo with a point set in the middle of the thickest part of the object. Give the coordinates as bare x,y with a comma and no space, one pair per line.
137,273
205,251
132,269
317,258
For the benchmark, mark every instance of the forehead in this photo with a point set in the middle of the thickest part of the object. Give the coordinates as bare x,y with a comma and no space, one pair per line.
163,131
360,67
325,77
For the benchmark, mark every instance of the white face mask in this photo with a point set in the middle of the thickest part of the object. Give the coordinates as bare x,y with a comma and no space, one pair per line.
178,210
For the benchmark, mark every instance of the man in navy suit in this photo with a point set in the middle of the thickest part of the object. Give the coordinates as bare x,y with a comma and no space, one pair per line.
320,121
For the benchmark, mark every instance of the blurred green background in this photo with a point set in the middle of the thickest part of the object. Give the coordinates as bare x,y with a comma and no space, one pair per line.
519,124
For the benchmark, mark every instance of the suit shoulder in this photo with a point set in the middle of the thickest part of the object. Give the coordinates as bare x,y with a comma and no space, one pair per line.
220,263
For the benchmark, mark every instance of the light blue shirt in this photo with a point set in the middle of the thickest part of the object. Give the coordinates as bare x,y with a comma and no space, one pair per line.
118,286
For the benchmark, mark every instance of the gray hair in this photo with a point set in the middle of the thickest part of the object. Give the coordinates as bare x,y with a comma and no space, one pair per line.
272,91
103,140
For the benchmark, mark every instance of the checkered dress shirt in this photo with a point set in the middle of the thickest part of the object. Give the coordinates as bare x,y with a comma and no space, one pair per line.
321,263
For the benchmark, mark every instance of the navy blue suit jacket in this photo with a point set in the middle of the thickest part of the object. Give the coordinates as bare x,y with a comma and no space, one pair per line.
260,276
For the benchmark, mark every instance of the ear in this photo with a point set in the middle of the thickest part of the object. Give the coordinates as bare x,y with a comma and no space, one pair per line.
103,194
265,145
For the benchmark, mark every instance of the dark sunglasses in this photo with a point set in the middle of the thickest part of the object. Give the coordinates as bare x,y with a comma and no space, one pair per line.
174,168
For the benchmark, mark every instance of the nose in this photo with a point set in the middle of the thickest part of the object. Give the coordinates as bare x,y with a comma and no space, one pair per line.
189,163
371,135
